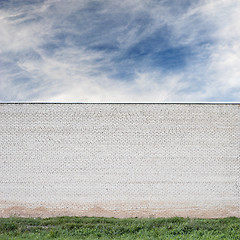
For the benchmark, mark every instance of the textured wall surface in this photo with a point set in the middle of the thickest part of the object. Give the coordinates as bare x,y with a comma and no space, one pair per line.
121,160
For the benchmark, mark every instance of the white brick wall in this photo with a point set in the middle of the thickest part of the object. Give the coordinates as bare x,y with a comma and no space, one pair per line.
121,160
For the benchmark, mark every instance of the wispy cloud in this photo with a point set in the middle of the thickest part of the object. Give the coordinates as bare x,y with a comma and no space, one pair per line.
119,51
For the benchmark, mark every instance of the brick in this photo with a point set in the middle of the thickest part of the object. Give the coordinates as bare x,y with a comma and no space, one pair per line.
120,160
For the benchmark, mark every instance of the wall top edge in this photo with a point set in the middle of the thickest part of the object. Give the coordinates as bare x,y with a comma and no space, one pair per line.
209,103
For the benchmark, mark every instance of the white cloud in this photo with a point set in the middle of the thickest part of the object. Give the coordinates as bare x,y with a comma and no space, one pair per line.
75,73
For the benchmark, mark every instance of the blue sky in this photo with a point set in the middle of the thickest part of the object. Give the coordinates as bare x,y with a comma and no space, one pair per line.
120,51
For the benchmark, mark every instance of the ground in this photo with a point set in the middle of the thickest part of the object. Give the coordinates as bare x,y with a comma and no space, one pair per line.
111,228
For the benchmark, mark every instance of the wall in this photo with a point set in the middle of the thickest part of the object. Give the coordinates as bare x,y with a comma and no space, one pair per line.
120,160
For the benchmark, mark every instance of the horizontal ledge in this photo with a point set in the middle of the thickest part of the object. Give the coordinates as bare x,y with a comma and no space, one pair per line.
125,103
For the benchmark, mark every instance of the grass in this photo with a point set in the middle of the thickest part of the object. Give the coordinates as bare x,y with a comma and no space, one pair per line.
111,228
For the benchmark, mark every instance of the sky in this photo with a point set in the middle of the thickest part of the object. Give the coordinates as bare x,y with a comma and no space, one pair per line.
120,51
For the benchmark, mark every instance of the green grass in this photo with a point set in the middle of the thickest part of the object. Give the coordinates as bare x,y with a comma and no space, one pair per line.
111,228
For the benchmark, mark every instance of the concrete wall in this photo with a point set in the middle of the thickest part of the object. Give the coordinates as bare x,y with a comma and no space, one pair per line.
121,160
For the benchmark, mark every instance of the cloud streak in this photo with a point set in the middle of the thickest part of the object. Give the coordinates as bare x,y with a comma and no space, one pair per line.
119,51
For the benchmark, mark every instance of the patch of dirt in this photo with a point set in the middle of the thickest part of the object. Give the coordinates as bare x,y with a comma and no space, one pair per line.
98,211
